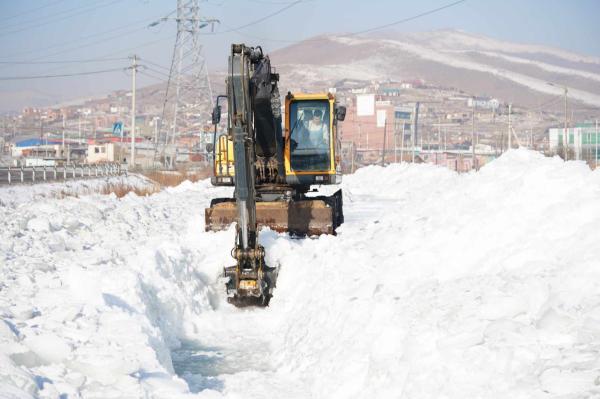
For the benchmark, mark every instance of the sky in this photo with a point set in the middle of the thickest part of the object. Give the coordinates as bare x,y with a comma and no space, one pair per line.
38,34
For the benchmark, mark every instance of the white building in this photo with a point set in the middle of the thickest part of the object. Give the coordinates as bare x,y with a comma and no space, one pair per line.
98,153
483,102
583,140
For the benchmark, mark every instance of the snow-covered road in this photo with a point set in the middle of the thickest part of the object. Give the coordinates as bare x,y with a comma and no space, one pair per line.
438,285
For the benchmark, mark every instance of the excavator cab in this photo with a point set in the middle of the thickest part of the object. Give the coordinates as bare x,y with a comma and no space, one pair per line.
311,144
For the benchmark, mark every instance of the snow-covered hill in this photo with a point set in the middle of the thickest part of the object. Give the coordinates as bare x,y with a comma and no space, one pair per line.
438,285
477,64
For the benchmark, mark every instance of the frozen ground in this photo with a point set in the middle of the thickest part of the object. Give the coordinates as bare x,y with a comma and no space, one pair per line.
484,285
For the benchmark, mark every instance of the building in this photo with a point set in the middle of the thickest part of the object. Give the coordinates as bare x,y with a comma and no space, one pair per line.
389,91
30,112
101,152
483,102
35,147
583,140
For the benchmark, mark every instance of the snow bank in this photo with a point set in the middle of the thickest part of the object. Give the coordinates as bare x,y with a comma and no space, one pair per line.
446,285
21,193
96,290
438,285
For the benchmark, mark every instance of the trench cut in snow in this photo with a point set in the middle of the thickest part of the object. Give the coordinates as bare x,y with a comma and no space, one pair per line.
484,284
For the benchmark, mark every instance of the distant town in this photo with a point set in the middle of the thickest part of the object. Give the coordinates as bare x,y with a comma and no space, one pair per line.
387,121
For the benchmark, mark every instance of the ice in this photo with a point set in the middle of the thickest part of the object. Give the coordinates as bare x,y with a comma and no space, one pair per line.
483,284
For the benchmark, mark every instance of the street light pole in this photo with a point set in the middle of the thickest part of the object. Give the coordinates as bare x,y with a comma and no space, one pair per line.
566,135
596,141
133,71
473,133
509,127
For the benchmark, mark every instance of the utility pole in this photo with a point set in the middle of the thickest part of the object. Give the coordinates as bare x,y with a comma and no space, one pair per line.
360,143
42,136
596,141
63,135
156,119
531,136
509,127
384,139
133,71
402,142
439,133
473,133
414,130
395,142
445,139
566,135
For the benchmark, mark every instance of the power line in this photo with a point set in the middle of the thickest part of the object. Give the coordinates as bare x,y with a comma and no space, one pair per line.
157,71
114,52
549,102
31,10
58,76
404,20
276,2
155,64
37,25
401,21
61,62
83,38
44,17
145,73
102,41
290,5
145,44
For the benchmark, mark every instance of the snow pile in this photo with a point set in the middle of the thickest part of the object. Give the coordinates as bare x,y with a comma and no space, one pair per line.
22,193
438,285
95,291
480,285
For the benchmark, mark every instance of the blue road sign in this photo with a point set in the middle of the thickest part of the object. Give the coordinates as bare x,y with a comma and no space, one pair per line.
118,129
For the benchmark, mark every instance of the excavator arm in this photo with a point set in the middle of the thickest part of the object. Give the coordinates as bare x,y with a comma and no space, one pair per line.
250,279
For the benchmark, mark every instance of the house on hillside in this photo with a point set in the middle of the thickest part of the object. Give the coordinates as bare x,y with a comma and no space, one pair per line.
483,102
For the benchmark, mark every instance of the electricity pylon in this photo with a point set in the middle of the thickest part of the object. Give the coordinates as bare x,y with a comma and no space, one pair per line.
188,97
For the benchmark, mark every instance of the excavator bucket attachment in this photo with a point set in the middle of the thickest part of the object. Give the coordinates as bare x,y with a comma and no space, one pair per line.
250,287
307,216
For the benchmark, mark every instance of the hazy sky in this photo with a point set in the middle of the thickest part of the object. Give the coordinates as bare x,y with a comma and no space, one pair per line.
64,30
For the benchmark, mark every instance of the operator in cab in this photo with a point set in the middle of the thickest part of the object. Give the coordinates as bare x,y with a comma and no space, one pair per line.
318,130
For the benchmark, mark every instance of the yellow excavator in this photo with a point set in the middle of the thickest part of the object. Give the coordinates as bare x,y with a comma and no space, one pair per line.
273,166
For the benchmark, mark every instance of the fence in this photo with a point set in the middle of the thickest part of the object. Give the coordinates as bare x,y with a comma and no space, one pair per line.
40,174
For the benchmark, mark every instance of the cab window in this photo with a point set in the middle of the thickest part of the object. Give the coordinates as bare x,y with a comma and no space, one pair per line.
310,136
